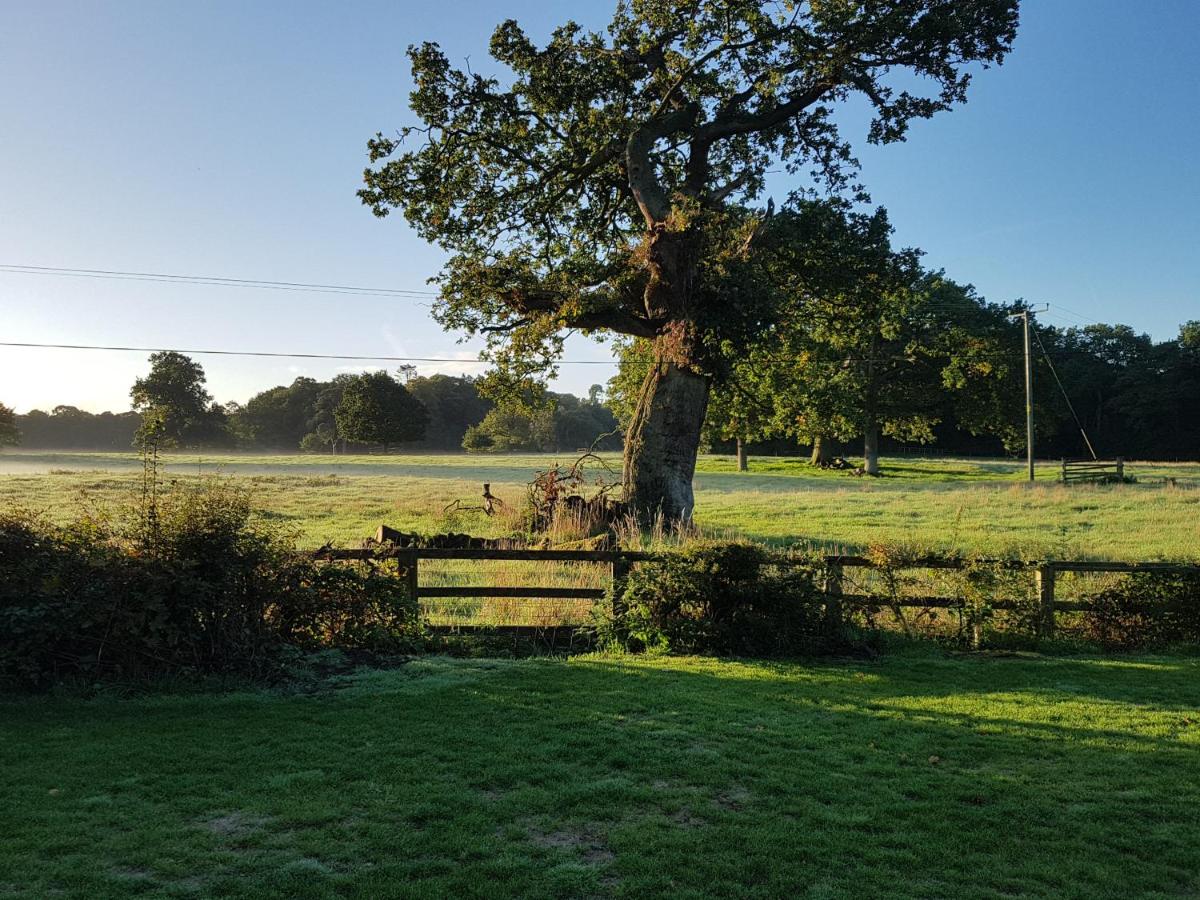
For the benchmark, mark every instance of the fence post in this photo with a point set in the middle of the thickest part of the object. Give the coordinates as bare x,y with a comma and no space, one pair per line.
833,595
620,568
1121,469
406,562
1045,589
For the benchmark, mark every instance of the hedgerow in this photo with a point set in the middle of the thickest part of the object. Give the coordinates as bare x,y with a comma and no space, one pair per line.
201,586
1144,610
723,598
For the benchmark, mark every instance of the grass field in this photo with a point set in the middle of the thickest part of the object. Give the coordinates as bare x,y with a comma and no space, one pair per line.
973,506
921,775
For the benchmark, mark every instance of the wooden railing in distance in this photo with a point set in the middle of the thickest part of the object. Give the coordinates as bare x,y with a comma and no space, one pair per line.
1045,573
1093,470
409,562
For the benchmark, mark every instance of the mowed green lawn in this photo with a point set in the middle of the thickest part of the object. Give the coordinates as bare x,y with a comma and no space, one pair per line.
921,775
972,506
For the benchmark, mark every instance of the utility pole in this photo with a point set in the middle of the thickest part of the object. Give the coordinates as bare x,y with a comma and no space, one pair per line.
1024,317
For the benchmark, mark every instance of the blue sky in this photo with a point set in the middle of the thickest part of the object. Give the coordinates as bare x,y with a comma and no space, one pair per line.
227,138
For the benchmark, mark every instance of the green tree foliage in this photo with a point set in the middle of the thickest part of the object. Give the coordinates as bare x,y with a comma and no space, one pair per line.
867,345
851,357
10,435
175,394
71,428
322,423
377,409
592,191
563,422
509,427
1133,396
279,418
454,404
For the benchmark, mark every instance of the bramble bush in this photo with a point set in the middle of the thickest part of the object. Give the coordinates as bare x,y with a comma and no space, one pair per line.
724,598
206,588
1143,610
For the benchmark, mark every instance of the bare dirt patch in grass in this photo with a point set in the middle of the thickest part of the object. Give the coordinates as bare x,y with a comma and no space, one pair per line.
236,824
732,800
685,818
586,843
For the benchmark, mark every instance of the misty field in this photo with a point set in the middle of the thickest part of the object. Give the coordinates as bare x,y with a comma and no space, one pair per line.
973,506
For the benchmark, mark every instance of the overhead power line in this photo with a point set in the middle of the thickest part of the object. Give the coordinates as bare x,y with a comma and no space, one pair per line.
215,281
268,353
363,357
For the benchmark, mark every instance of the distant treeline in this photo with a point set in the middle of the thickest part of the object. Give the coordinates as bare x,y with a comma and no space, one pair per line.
69,428
1133,396
303,416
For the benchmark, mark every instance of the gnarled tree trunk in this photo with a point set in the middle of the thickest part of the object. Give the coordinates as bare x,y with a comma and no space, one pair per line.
663,440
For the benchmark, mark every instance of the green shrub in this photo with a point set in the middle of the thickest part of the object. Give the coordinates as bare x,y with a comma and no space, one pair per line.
724,598
1145,609
207,589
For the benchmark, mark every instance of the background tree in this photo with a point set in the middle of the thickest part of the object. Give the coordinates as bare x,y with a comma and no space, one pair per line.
322,423
376,409
454,405
866,344
851,358
10,435
510,426
546,423
174,391
279,418
593,192
71,428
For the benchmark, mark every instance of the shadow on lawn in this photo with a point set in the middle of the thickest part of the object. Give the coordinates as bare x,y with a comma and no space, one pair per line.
913,776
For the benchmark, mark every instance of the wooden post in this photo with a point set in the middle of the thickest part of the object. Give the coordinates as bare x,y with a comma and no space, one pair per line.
406,562
620,568
1121,469
1045,588
833,596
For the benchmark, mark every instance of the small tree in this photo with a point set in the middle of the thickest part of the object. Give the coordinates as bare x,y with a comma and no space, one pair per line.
512,426
377,409
10,435
174,391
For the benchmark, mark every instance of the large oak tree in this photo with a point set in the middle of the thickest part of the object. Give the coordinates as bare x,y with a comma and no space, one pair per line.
598,189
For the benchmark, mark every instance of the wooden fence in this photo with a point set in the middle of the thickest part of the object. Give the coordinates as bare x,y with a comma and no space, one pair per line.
1077,470
1045,574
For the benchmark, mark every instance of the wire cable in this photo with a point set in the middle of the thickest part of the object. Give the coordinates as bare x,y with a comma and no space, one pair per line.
1070,405
214,281
267,353
414,359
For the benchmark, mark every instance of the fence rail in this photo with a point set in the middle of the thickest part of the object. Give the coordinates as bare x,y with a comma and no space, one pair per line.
1075,470
1045,573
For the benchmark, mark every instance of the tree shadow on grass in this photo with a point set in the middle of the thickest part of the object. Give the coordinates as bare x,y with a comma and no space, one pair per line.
916,776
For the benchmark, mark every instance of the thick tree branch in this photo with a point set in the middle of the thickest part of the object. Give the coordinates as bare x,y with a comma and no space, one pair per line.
647,190
732,123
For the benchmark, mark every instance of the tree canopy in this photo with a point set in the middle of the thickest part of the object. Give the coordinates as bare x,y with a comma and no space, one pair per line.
376,409
602,187
10,435
174,394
